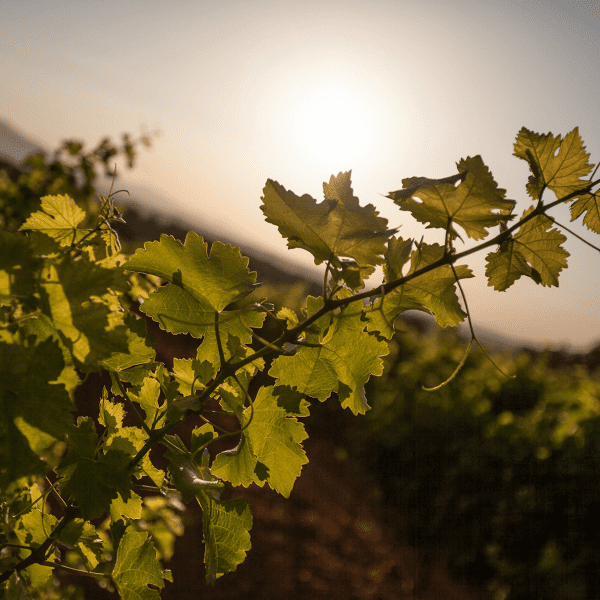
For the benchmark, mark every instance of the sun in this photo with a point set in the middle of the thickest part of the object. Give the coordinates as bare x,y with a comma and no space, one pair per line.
334,126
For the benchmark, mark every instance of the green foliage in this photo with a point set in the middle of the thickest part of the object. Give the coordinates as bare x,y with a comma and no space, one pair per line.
499,473
471,204
69,171
70,304
136,567
534,251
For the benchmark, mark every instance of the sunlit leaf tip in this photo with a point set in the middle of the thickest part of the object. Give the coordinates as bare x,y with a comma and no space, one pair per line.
471,199
555,163
338,227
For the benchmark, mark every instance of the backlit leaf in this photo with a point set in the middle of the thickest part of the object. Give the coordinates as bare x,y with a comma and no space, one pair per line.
534,250
471,204
590,205
82,536
177,311
93,479
226,524
58,218
136,567
77,300
343,364
270,449
433,292
213,281
34,412
556,164
337,227
18,268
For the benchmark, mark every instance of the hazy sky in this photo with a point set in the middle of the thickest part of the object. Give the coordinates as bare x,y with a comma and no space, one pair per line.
296,92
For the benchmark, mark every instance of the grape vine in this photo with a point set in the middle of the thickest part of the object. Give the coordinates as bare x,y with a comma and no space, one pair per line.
71,304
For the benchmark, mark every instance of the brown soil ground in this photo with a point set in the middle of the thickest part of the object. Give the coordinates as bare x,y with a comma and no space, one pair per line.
325,541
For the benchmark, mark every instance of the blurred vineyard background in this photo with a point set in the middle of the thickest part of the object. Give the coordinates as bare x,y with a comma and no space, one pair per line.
486,488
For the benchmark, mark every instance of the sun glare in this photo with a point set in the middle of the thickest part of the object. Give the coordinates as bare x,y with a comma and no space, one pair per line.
335,127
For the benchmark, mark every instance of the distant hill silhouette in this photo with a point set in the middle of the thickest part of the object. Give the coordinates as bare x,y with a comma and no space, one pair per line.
14,147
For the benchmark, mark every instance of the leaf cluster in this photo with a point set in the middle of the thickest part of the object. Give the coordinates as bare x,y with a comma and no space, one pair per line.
69,170
72,304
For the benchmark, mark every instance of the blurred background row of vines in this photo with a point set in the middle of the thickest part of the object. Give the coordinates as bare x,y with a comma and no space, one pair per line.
500,475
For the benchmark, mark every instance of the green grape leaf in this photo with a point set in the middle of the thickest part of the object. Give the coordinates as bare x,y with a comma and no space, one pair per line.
343,364
239,465
129,441
40,327
226,524
131,509
202,436
534,250
556,164
191,301
270,447
93,481
176,311
232,396
134,375
290,317
39,575
506,265
83,537
167,384
147,398
226,527
317,330
140,347
589,204
137,567
58,218
337,227
32,529
471,204
433,292
188,372
213,281
34,410
111,414
397,255
18,269
76,300
161,518
233,351
276,436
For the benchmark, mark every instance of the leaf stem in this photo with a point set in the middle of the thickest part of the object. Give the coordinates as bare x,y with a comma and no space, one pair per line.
573,233
47,563
38,555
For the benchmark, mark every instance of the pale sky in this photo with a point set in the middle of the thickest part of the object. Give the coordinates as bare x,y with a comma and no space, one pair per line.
240,91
